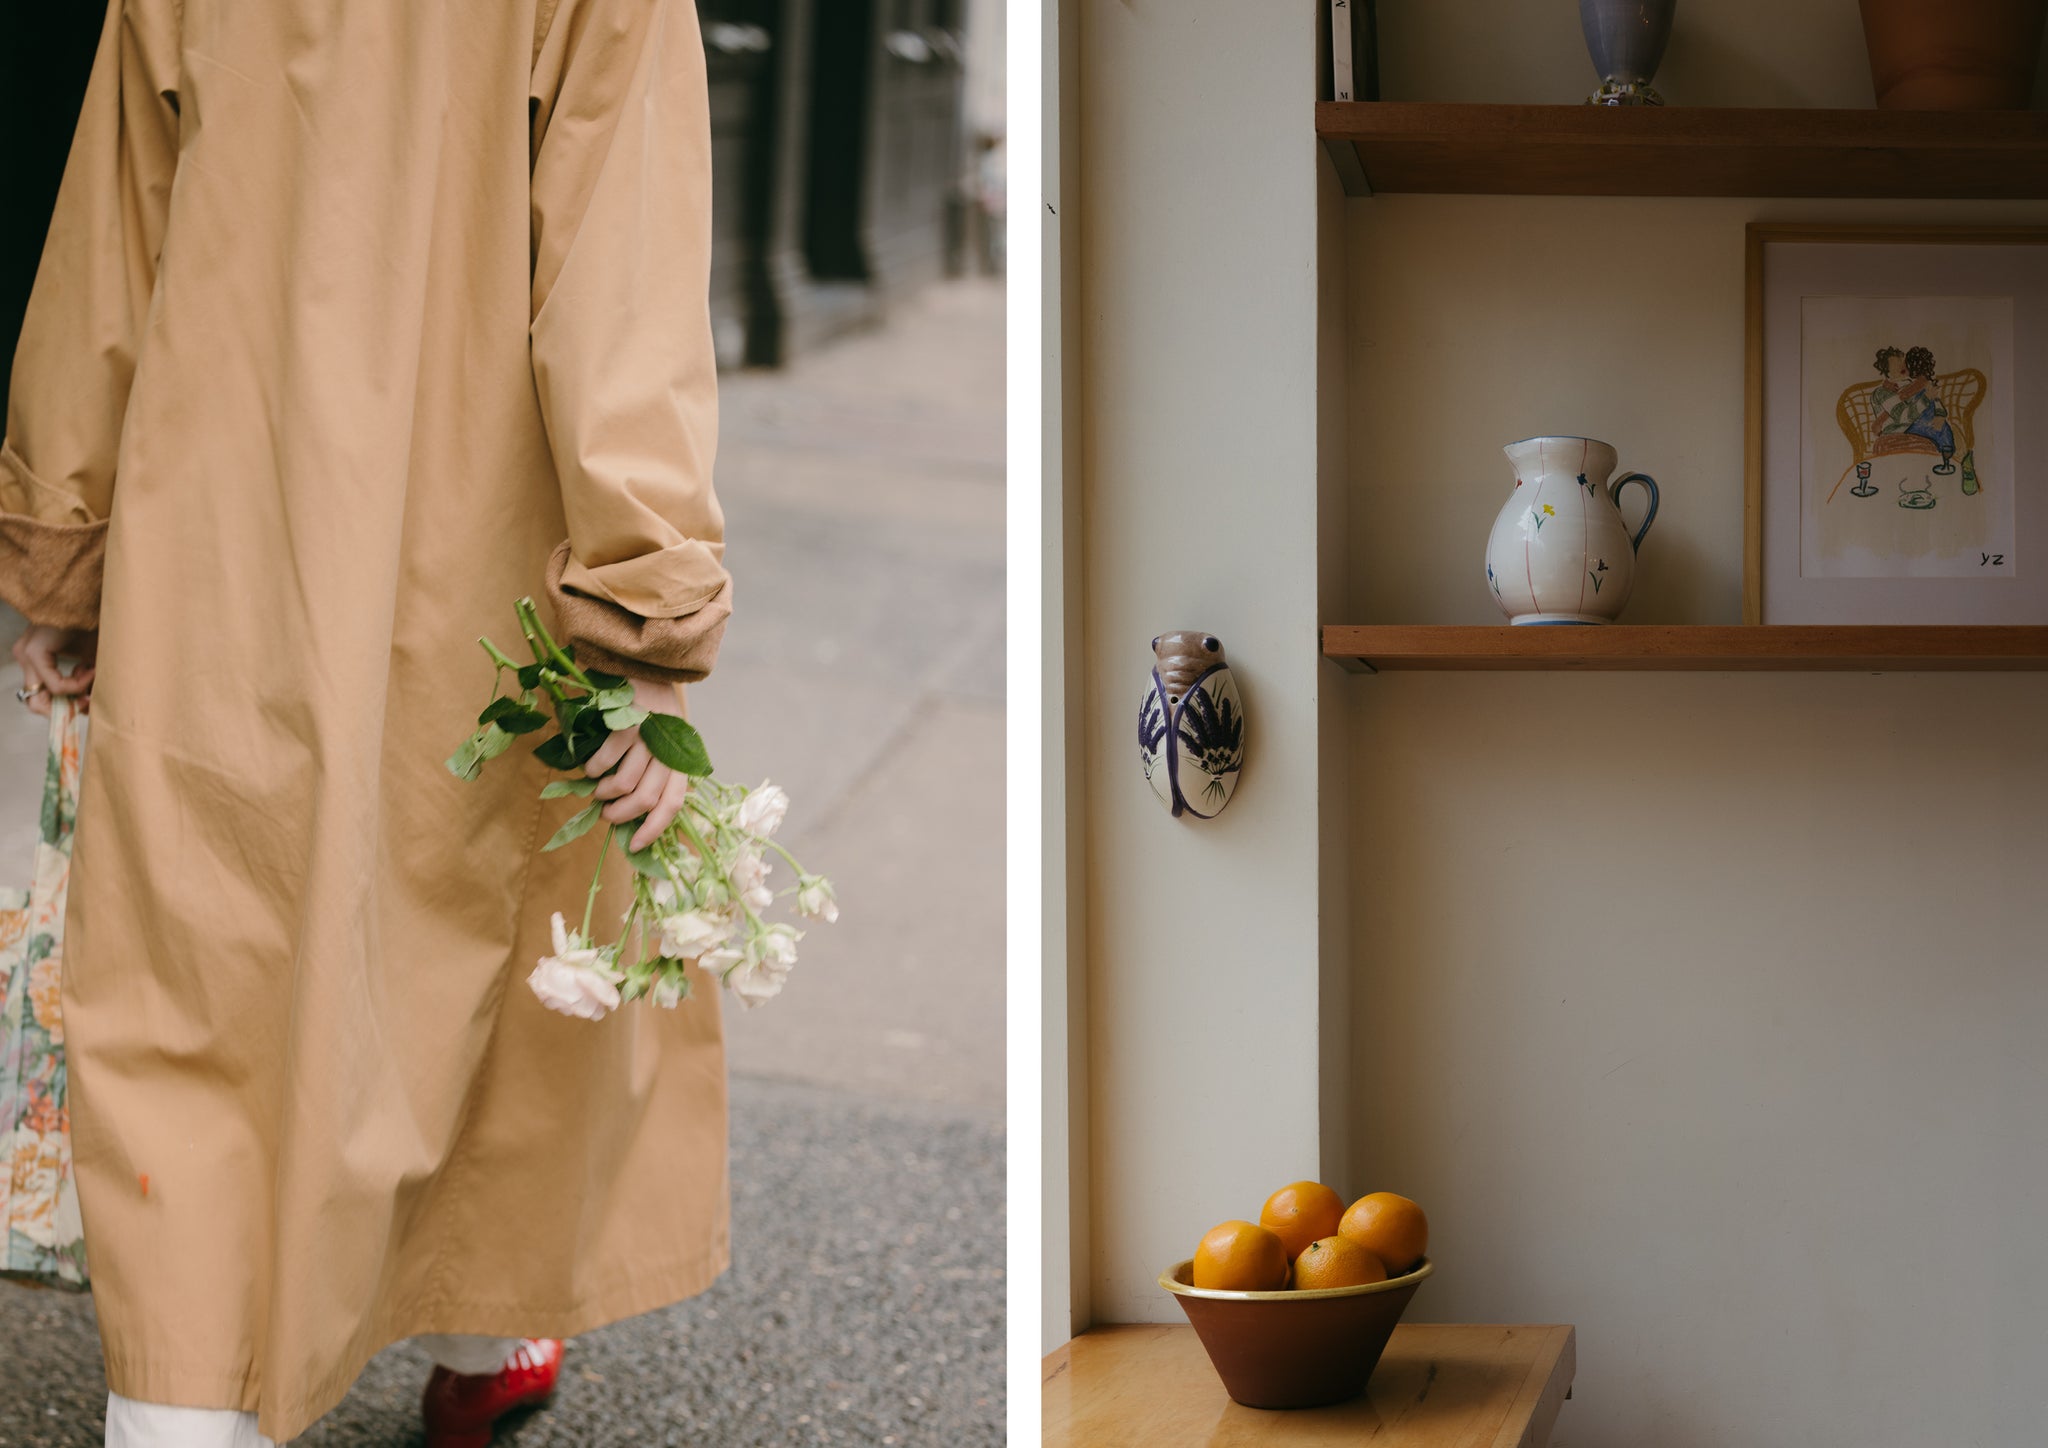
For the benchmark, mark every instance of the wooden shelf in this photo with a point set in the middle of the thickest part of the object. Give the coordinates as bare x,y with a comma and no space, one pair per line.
1456,1386
1683,150
1688,647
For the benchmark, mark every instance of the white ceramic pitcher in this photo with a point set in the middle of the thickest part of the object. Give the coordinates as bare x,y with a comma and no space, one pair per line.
1560,552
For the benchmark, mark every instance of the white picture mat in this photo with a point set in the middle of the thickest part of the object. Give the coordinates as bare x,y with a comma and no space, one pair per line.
1795,270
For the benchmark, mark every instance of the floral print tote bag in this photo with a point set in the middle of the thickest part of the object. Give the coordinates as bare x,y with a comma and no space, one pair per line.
40,1236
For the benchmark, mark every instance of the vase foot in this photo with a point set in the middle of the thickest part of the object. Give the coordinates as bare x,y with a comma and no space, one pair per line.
1625,93
1521,620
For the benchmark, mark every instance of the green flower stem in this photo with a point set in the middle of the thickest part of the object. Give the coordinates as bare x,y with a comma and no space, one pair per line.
704,851
596,877
794,863
497,656
545,649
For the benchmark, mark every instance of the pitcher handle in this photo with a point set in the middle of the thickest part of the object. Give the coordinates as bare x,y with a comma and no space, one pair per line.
1614,491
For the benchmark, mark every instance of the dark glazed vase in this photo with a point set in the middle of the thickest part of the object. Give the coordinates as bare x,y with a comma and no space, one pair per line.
1960,55
1626,39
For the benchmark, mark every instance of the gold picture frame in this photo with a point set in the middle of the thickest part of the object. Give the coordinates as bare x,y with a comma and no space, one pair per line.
1756,383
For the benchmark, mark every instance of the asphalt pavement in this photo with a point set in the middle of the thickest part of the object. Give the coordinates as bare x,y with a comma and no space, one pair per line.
864,671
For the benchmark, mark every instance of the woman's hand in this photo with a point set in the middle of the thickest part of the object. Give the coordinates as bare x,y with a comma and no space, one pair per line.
38,650
641,784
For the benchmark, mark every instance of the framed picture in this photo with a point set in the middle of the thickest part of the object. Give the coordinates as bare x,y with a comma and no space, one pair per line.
1896,444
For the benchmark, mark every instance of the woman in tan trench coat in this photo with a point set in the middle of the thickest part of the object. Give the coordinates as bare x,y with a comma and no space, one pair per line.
356,323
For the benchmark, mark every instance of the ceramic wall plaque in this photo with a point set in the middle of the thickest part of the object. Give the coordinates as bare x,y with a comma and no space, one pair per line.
1191,725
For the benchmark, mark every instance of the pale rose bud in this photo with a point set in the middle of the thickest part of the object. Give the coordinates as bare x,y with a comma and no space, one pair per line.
689,866
765,967
573,989
815,899
721,960
762,811
668,989
778,944
691,933
749,872
576,980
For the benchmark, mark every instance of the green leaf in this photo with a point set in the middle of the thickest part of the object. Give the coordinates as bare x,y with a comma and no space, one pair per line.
605,681
613,698
675,743
579,824
529,675
624,718
525,721
553,751
498,708
646,861
556,788
487,743
585,739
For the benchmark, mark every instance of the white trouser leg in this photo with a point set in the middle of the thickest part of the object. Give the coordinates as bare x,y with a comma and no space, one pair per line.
461,1353
159,1425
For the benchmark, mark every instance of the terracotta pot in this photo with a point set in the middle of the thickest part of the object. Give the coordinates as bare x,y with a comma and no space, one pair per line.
1953,55
1294,1349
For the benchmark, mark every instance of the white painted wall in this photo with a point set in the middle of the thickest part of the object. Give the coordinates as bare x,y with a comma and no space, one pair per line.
1705,1012
1199,385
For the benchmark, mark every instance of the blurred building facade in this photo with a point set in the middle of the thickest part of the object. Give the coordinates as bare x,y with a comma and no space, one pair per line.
848,165
852,155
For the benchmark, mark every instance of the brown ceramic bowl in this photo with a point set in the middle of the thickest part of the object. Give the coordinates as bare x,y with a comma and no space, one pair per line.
1294,1349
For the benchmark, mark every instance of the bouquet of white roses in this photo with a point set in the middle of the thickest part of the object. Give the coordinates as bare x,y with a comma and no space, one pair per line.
700,888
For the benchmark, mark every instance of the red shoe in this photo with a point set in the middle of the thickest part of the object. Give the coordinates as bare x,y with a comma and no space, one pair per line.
461,1408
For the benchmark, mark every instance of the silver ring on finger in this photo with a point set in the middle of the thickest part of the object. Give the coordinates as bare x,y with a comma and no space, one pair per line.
24,695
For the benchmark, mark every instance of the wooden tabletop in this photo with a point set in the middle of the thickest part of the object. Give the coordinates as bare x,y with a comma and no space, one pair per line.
1451,1386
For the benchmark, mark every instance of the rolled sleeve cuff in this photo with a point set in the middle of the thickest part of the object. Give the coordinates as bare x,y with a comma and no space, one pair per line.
50,567
673,648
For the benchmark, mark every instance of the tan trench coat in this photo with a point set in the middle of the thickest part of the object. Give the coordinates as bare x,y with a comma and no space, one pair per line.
350,315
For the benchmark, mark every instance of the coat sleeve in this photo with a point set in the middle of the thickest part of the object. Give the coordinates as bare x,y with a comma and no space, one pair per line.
621,336
85,318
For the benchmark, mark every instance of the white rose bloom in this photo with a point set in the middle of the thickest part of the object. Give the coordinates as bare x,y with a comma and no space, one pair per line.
691,933
750,878
749,871
762,811
765,967
662,893
721,960
815,899
575,980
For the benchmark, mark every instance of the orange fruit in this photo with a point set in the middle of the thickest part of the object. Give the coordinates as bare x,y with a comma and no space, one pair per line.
1336,1262
1299,1213
1390,1227
1239,1257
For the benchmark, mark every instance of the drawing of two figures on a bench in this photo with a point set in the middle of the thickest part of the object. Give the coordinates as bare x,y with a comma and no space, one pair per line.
1911,413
